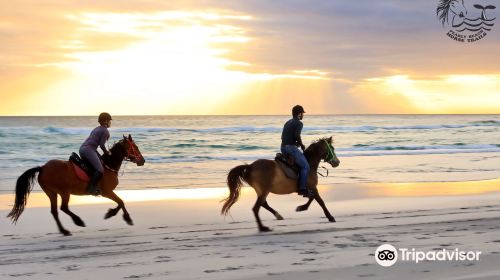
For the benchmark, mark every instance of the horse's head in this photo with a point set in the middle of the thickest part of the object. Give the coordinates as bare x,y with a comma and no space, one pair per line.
458,8
132,152
322,149
329,154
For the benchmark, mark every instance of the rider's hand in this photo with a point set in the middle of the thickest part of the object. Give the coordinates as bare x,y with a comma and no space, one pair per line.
302,147
109,153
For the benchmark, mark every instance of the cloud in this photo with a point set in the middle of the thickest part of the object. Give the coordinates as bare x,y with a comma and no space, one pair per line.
355,39
281,44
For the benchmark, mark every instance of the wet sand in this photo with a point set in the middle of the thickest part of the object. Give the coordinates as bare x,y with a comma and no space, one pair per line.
179,236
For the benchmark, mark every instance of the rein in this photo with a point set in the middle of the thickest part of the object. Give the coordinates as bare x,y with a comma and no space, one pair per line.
322,174
110,169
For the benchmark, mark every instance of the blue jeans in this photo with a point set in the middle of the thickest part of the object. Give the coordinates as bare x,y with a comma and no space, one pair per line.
301,162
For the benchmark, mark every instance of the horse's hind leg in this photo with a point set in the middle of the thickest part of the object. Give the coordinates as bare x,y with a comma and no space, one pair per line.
65,209
305,206
53,209
261,199
111,195
270,209
322,204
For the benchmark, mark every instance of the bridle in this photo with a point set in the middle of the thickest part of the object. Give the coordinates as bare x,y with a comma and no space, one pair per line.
330,155
132,153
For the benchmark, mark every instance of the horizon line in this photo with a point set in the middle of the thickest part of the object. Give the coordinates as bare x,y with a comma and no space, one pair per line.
258,115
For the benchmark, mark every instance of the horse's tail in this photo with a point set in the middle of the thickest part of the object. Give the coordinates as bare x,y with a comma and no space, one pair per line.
23,188
234,182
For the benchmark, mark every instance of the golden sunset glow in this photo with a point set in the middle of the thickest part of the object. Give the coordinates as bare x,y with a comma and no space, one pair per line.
434,188
449,93
40,199
199,58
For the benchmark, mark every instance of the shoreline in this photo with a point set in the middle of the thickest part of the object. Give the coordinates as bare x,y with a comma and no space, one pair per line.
356,171
188,239
337,192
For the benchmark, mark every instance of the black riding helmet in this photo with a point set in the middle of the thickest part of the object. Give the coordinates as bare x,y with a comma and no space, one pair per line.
104,117
297,109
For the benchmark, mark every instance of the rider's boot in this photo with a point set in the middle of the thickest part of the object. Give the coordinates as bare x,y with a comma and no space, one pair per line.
306,193
92,187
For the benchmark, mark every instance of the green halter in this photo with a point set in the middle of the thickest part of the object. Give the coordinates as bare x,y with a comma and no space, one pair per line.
330,155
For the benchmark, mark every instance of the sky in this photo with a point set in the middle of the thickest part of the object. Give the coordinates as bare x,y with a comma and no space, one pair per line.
63,57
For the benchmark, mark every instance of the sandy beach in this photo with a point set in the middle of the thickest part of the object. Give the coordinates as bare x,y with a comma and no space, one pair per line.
393,106
186,238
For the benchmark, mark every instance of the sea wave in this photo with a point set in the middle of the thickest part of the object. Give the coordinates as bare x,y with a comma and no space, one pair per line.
65,130
416,152
218,146
354,151
184,158
264,129
457,147
487,122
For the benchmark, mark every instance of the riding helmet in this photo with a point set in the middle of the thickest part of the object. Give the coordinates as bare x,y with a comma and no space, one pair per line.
104,117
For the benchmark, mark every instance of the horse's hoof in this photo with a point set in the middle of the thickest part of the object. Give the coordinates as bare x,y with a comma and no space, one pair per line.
300,209
128,220
279,217
110,214
66,233
331,219
265,229
79,223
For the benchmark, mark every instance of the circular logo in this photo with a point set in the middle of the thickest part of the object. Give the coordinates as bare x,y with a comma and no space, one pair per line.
386,255
466,22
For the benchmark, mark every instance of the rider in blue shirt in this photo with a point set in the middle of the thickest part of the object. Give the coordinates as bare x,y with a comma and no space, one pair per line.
290,141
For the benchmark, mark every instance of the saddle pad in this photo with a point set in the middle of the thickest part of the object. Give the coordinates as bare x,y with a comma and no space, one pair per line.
80,173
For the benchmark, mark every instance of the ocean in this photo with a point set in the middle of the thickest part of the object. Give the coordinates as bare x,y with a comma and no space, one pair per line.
198,151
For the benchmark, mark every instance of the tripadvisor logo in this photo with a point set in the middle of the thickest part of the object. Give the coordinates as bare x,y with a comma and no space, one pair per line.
387,255
467,24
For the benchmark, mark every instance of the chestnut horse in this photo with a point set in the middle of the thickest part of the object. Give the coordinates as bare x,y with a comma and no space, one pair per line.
266,176
58,177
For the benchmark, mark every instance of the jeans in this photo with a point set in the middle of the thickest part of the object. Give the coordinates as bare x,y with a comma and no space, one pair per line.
301,162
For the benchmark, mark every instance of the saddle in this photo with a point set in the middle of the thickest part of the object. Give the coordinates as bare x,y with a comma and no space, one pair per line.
83,169
287,164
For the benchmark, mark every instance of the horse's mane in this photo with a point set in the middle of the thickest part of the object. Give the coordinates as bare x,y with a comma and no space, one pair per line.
118,152
312,148
442,10
117,145
327,139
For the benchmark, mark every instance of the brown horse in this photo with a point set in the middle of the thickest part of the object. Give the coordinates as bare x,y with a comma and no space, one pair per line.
58,177
266,176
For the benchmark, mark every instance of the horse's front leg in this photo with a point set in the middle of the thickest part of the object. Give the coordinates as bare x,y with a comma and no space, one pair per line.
322,204
112,212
